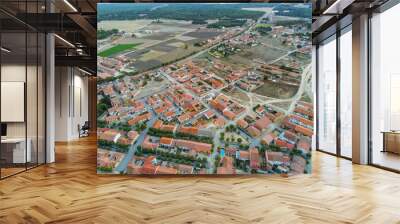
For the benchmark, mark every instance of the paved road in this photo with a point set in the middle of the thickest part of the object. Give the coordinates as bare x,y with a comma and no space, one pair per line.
128,157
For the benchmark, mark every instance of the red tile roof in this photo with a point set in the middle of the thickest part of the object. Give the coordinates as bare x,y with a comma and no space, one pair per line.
254,132
209,114
216,83
290,135
199,147
217,105
165,170
242,123
284,144
304,145
268,139
220,122
227,166
166,141
124,141
189,130
274,156
263,123
169,114
168,127
254,158
229,114
148,167
140,118
109,135
303,130
184,117
303,111
133,135
245,155
302,120
157,124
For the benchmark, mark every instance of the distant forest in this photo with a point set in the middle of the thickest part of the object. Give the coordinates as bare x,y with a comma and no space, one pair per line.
102,34
290,10
193,11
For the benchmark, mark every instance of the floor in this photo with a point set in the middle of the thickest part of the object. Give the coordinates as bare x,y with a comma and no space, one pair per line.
387,159
69,191
10,171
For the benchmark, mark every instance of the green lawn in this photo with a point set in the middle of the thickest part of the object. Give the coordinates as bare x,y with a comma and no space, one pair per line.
116,49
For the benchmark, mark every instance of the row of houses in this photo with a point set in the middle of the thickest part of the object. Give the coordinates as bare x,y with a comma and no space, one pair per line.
117,136
255,129
301,121
226,106
150,165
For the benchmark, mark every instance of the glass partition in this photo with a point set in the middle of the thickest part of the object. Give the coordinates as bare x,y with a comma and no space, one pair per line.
13,94
22,88
385,89
327,95
346,92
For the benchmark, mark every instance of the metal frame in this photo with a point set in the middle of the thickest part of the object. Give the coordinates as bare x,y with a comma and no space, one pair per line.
389,4
338,152
338,75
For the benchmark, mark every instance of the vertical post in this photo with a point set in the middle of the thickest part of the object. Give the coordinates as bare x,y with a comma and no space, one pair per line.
338,75
50,92
26,87
316,101
360,90
1,164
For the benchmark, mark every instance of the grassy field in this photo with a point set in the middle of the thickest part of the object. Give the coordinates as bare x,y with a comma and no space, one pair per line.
117,49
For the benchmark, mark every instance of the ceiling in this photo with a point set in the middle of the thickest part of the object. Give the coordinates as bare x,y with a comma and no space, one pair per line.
74,22
330,15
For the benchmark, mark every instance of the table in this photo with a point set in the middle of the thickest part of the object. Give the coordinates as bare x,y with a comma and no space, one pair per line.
13,150
391,141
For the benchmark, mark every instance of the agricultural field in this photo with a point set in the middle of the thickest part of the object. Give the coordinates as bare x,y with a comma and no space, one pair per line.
124,25
262,53
117,49
275,90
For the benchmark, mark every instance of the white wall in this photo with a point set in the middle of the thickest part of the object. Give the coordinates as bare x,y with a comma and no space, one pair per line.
12,73
71,102
33,127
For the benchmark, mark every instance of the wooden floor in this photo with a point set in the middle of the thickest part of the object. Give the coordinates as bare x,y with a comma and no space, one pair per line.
69,191
387,159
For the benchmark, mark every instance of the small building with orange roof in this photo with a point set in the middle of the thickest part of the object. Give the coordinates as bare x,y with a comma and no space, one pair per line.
157,124
263,123
242,123
254,158
229,114
219,122
166,142
165,170
253,131
227,166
